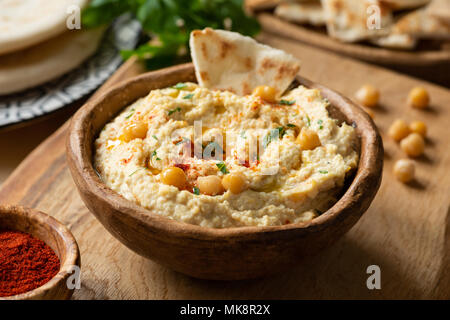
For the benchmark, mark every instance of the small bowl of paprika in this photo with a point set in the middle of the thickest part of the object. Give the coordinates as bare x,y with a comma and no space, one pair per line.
38,256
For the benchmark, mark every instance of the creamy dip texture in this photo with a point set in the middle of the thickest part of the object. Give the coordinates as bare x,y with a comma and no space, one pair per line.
293,156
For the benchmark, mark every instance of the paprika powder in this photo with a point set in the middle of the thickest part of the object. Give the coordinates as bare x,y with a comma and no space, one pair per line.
26,263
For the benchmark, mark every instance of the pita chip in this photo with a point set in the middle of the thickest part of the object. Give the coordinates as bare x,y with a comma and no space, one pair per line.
302,13
227,60
422,24
352,21
440,9
396,41
405,4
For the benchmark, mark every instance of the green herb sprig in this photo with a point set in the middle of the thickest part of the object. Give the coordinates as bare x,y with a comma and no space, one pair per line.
170,22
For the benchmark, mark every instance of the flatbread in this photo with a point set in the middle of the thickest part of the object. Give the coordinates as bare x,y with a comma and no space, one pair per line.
348,20
440,9
46,61
302,13
24,23
405,4
421,24
227,60
396,41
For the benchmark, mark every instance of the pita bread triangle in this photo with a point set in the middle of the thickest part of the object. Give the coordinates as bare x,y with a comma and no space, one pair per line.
227,60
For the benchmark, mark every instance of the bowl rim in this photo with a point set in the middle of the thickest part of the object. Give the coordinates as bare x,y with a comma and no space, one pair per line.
62,232
368,172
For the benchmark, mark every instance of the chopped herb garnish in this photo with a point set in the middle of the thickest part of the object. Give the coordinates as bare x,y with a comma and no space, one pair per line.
222,167
155,137
272,135
242,135
135,171
196,191
320,123
323,171
287,102
130,114
308,121
289,125
154,154
174,110
180,86
188,96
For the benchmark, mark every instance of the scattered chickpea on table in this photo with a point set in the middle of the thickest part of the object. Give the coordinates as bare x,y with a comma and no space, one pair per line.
410,136
368,96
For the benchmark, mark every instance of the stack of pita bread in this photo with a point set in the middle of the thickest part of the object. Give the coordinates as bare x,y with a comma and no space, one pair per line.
402,23
35,44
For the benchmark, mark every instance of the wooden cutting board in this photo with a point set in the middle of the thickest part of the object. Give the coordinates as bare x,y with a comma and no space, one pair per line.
406,231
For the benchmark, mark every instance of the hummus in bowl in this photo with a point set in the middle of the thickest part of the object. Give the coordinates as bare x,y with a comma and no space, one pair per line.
288,157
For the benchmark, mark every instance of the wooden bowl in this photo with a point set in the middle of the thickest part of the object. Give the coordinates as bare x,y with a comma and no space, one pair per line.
56,236
221,254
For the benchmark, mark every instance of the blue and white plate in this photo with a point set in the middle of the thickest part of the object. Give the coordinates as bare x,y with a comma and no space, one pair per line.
58,93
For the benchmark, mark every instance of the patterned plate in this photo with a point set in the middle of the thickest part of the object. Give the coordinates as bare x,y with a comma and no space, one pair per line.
54,95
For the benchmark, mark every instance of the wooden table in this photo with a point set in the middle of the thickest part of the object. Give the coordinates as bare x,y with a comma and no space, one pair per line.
406,231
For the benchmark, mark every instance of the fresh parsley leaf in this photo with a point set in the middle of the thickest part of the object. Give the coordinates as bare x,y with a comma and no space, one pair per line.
188,96
196,191
323,171
130,114
136,171
180,86
286,102
174,110
289,125
307,121
320,123
222,167
171,21
155,137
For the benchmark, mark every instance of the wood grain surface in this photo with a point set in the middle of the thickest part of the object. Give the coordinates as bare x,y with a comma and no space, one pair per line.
406,231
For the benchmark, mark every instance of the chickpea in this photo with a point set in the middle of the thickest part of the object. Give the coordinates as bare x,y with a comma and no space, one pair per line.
308,139
210,185
413,145
419,98
174,176
235,182
398,130
135,130
404,170
418,127
368,96
266,93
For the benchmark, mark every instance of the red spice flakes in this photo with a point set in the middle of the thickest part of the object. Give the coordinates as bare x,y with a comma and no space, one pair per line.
26,263
125,161
182,166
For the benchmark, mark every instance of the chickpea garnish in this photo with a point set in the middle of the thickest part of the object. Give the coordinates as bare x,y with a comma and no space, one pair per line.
235,182
210,185
135,130
368,96
266,93
308,139
398,130
404,170
418,127
174,176
413,145
419,98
